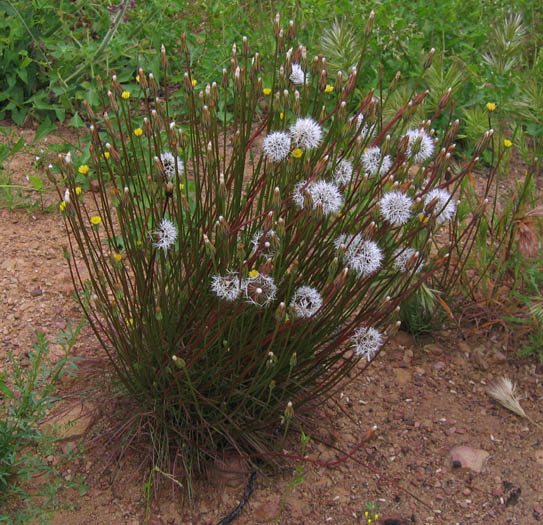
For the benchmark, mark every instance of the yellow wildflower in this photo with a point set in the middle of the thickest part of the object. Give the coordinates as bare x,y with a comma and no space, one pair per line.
297,153
267,91
83,169
137,78
423,219
139,242
328,88
78,190
96,220
117,257
507,143
194,82
125,95
254,273
138,132
130,322
181,186
106,155
62,206
281,115
491,106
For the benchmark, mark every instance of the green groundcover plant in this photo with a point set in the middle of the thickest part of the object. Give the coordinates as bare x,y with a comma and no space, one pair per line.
239,273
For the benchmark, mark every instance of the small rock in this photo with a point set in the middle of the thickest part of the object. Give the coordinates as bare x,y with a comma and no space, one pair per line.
433,349
471,458
403,339
451,431
466,492
402,375
440,365
499,357
479,358
497,492
36,292
464,347
266,511
539,456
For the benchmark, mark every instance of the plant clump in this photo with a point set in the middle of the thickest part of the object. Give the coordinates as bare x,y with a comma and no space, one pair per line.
242,267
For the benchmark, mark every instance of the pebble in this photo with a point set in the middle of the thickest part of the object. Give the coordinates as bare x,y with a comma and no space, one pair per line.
497,492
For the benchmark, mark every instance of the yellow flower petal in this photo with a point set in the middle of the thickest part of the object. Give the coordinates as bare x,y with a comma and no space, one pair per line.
267,91
62,206
125,95
328,88
491,106
138,132
194,82
297,153
96,220
253,273
117,256
78,190
507,143
83,169
106,155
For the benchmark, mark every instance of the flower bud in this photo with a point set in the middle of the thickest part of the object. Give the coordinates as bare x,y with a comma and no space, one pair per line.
429,59
369,24
152,83
245,46
113,101
187,83
291,33
163,58
209,248
142,79
281,313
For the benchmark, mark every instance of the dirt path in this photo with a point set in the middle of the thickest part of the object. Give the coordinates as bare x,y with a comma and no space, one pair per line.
424,400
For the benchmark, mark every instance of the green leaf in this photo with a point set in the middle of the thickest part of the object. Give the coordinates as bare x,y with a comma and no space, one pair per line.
4,388
18,145
76,121
36,182
45,128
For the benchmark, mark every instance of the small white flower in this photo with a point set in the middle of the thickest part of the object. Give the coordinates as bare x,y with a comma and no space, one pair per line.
168,163
322,193
306,133
396,207
445,207
259,290
402,258
165,235
276,146
297,75
228,287
264,243
66,195
366,342
344,172
341,241
366,131
374,162
306,301
363,256
426,145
